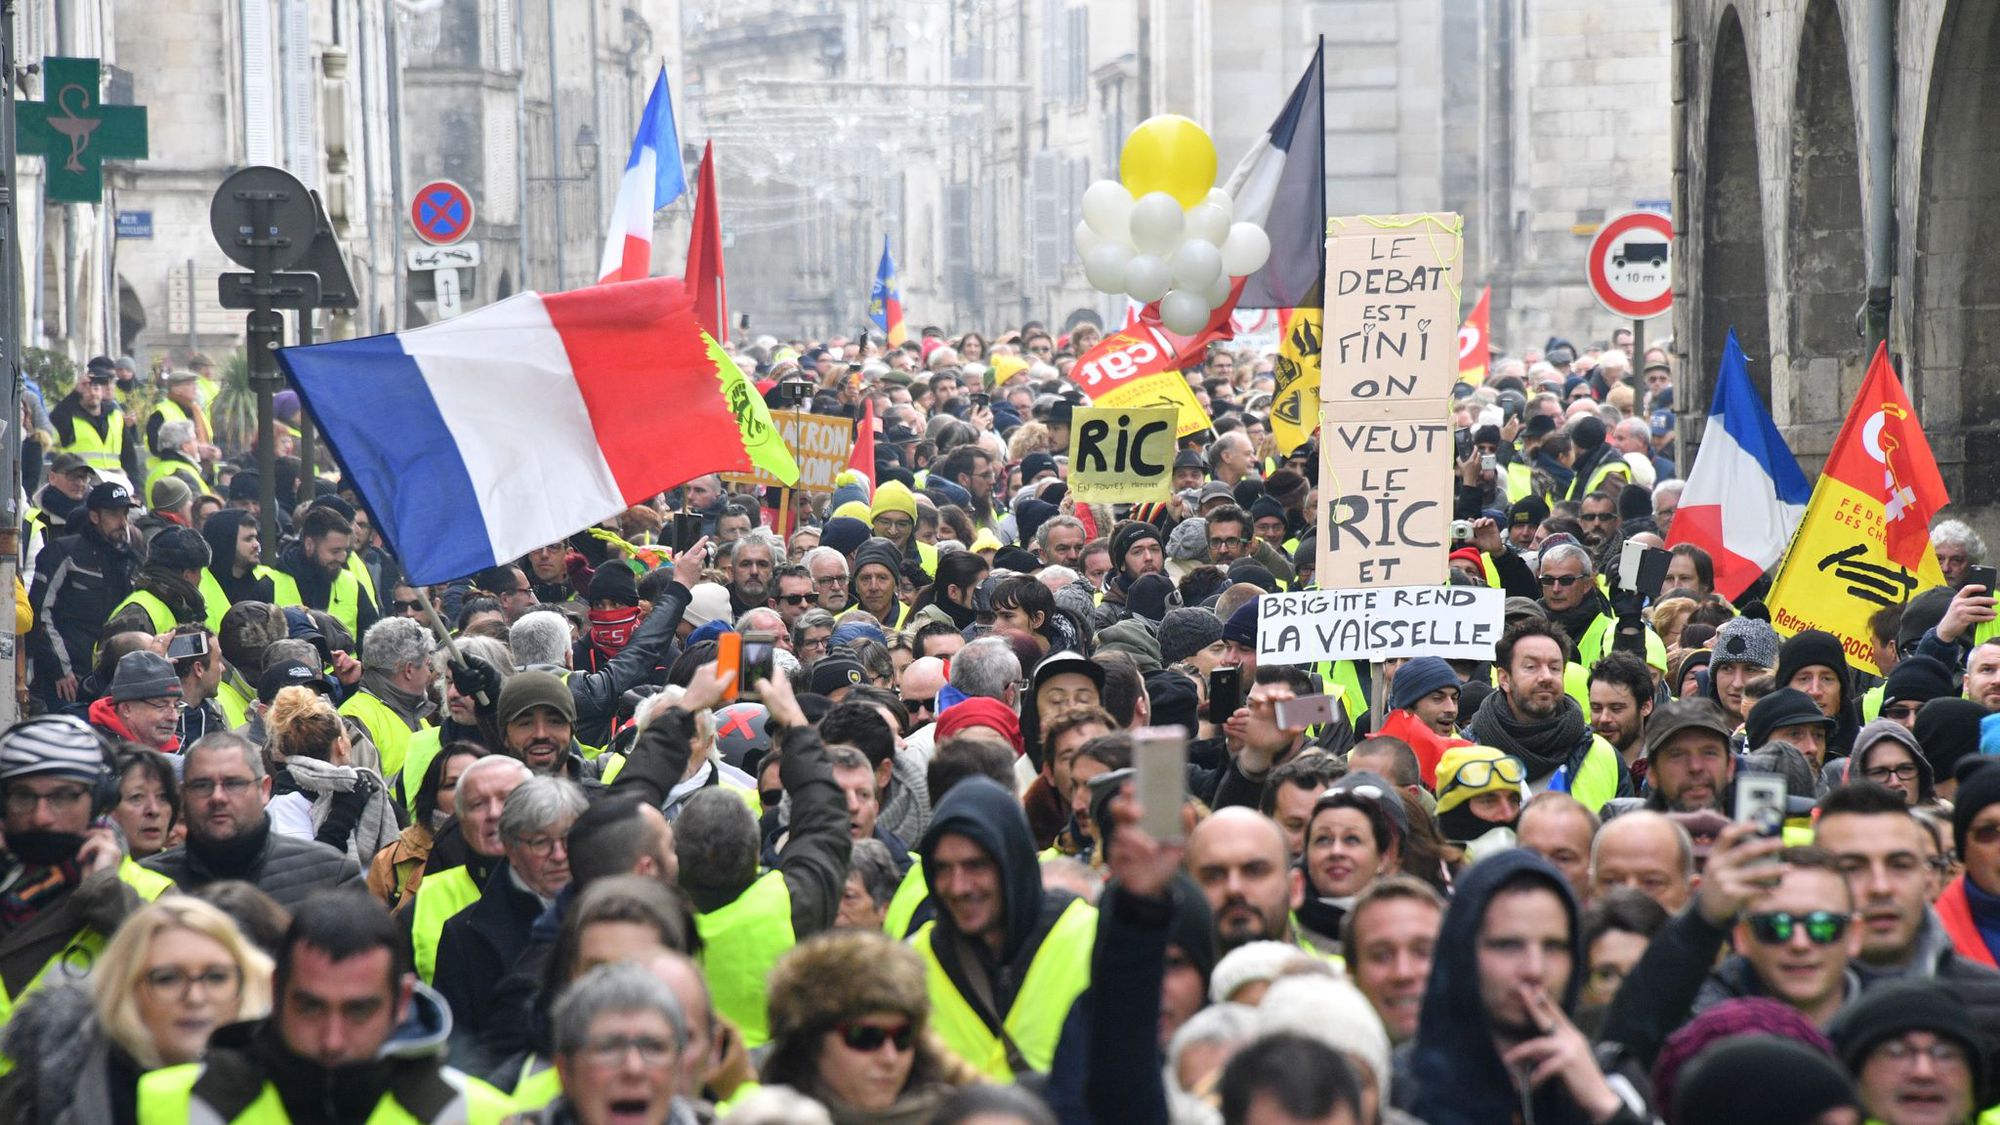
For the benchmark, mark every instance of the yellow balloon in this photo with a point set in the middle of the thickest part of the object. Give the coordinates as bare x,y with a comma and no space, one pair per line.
1168,153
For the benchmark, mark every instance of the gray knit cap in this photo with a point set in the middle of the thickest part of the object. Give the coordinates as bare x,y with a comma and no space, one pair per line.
1186,631
51,746
144,674
1744,640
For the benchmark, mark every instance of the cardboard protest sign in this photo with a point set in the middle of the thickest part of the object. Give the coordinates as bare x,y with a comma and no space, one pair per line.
1454,622
1388,359
818,442
1135,368
1121,456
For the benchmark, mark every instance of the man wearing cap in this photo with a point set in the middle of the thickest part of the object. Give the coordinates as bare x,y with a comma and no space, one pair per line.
1917,1055
61,500
538,724
167,589
224,791
1427,688
79,579
68,884
1689,766
182,404
1744,649
89,424
1189,470
1789,715
143,704
174,449
1136,548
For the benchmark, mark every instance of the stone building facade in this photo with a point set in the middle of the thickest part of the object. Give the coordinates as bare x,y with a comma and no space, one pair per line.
1775,145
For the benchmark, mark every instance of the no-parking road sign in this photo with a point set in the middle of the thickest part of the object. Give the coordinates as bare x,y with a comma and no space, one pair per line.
441,212
1629,266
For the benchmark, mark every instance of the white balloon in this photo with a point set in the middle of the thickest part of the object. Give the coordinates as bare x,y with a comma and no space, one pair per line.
1184,312
1246,250
1157,224
1104,266
1218,294
1147,277
1219,199
1196,265
1207,223
1107,207
1085,239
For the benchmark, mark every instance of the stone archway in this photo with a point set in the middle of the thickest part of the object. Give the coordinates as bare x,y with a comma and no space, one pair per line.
1733,292
1827,270
1955,291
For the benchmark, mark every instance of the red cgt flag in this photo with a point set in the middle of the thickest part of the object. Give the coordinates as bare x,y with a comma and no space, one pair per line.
863,456
1475,340
704,274
1882,452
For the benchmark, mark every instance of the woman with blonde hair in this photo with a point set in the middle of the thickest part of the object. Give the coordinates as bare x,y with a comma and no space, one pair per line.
177,970
849,1015
316,794
1670,616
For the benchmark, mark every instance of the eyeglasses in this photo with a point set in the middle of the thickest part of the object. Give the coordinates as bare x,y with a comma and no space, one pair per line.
1823,927
1231,541
612,1049
1560,581
866,1037
795,599
22,801
173,982
541,845
1941,1053
1597,517
1901,712
895,524
401,606
1480,773
1907,771
915,705
204,787
831,582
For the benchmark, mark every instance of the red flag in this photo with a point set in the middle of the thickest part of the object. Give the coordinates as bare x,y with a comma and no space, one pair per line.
1475,340
1881,452
704,272
863,456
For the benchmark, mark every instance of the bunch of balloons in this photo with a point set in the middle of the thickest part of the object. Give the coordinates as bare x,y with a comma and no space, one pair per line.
1163,232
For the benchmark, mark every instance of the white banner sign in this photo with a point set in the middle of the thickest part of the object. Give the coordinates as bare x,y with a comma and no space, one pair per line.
1454,622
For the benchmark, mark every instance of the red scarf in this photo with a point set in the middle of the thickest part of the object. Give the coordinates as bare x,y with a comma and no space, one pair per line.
611,629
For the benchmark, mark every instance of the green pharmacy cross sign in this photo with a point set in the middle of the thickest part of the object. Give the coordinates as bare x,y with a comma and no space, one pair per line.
76,132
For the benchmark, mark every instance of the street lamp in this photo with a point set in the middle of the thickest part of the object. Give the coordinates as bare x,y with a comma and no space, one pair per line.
585,146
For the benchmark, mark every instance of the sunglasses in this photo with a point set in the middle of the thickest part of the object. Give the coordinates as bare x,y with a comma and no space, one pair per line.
769,798
795,599
1479,774
1823,927
1560,581
867,1038
1597,517
402,606
914,705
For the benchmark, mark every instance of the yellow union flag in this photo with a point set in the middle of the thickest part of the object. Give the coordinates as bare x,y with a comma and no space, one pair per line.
1842,566
1295,399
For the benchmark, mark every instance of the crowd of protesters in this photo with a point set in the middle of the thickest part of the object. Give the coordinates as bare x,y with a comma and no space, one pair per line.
288,839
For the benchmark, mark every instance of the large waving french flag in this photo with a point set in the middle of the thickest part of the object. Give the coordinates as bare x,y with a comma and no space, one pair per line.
477,439
653,178
1745,495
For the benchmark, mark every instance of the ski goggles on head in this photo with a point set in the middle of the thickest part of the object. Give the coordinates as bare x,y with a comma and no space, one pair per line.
1480,773
1823,927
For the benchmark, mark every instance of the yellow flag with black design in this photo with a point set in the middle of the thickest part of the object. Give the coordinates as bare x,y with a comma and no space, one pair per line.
1295,400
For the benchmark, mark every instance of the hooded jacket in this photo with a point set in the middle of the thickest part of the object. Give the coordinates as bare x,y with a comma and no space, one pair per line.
1459,1078
1855,767
981,811
220,531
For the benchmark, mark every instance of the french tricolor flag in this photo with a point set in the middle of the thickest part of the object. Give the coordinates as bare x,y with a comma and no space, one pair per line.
474,440
653,178
1745,495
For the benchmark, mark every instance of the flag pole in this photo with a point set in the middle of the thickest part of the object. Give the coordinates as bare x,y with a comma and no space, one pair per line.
450,645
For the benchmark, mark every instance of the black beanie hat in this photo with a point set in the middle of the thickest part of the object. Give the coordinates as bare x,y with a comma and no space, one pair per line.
1759,1080
179,548
1896,1007
1814,646
1922,614
1786,707
843,534
1128,533
1147,596
1588,433
1978,787
1948,730
1635,501
1917,679
614,582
